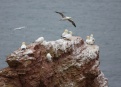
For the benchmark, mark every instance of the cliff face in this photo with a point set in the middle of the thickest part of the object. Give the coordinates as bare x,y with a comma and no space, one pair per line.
73,64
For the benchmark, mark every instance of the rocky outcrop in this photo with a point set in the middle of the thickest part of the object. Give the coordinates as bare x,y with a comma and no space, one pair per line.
72,63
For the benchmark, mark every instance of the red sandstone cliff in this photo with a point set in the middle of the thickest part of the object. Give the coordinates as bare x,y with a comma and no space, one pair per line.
73,64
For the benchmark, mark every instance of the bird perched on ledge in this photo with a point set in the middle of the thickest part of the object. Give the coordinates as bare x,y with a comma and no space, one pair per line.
68,36
66,18
64,33
49,57
23,46
90,40
40,40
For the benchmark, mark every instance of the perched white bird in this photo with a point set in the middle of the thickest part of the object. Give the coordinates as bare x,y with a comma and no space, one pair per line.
68,36
23,46
40,40
90,40
64,33
49,57
66,18
91,37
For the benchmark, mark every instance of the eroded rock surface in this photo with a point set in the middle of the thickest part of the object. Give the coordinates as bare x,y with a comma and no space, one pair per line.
74,64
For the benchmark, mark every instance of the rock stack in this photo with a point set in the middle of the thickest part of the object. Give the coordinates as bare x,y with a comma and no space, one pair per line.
74,63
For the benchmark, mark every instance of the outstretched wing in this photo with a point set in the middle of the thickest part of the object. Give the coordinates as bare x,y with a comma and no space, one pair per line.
60,13
72,22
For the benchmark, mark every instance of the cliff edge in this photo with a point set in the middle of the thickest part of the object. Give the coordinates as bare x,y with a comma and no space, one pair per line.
60,63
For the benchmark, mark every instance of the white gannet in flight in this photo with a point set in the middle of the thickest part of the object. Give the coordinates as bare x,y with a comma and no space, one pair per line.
23,46
19,28
66,18
64,33
68,36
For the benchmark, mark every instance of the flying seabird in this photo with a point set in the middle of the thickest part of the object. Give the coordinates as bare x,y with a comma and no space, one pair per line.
66,18
19,28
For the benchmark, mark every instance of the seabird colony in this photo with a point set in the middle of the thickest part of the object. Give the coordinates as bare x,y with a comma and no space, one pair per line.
66,18
66,35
